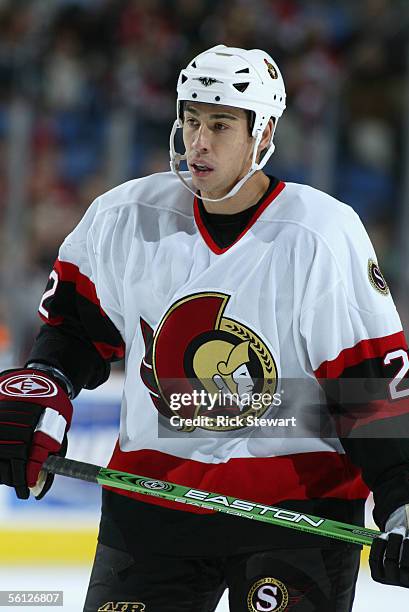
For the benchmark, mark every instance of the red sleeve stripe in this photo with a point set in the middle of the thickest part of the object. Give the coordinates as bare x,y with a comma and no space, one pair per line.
107,351
53,321
70,273
366,349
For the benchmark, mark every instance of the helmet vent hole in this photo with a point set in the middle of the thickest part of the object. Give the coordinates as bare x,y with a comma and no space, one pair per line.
184,78
217,98
194,65
275,96
242,70
194,95
241,86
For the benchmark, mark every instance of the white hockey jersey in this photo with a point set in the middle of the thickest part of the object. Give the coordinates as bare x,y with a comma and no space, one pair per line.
297,298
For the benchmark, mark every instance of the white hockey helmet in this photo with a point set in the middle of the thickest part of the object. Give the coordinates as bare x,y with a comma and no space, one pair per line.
248,79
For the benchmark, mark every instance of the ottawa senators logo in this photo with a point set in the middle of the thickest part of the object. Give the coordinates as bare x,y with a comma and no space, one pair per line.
268,594
271,69
376,278
198,353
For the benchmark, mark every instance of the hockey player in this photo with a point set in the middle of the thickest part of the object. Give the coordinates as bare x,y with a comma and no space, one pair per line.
221,279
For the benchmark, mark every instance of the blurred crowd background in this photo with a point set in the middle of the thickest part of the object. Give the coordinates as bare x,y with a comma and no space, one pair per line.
87,98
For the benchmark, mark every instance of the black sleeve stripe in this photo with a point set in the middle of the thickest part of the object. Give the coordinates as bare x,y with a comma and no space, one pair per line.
75,306
66,349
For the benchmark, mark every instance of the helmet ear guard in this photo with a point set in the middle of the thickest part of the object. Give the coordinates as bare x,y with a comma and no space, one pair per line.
175,158
232,77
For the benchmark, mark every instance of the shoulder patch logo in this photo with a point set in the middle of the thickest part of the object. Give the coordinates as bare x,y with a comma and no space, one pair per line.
376,278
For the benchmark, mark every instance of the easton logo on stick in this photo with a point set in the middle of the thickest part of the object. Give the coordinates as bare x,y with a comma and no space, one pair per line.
155,485
214,501
246,506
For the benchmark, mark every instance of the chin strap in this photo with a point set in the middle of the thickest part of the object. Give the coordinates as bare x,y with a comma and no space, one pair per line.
177,158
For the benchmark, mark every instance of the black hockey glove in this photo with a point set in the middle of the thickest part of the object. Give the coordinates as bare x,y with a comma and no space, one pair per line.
35,415
389,557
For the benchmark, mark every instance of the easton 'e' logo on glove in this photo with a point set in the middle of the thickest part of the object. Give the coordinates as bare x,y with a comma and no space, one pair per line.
23,385
35,415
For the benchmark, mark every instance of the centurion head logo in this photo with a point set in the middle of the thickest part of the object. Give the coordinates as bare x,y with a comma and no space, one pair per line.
198,352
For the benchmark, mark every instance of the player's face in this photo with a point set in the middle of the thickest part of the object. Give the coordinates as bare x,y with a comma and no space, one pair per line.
218,146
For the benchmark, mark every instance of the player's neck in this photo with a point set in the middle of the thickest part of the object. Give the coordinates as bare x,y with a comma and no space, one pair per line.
247,196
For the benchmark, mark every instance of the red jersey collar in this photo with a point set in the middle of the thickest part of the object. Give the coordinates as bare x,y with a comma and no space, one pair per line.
208,238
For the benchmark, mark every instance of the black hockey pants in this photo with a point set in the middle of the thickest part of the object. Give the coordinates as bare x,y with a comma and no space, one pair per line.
300,580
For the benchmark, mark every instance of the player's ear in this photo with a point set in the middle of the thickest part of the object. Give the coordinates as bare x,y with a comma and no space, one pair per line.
268,130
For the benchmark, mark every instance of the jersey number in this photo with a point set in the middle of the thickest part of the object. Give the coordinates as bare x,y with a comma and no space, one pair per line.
41,309
394,391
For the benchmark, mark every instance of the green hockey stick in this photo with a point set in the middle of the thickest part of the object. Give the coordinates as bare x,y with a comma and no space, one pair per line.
213,501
